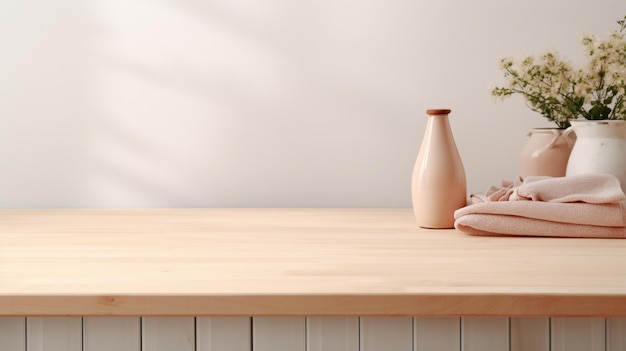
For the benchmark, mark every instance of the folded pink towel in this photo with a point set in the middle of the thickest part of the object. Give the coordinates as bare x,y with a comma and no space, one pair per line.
578,206
486,224
603,215
495,193
590,188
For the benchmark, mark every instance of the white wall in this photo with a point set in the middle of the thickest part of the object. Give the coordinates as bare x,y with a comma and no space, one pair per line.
246,103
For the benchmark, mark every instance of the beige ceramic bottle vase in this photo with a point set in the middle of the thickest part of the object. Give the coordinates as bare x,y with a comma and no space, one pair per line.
438,184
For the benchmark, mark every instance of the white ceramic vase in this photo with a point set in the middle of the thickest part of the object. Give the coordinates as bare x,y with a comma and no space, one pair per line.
600,147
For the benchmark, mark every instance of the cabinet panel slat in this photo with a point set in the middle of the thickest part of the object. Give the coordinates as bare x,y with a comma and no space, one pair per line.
485,333
438,333
279,334
578,334
530,334
13,333
168,334
386,333
112,333
616,334
54,334
224,333
332,334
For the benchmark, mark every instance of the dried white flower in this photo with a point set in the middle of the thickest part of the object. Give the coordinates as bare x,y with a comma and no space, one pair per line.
554,88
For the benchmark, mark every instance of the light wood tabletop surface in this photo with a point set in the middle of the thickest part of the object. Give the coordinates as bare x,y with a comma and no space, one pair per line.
253,262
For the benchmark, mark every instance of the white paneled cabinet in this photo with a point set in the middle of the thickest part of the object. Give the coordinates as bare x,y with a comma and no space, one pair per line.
334,333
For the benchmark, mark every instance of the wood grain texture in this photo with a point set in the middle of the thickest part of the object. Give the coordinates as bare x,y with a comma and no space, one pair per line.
293,262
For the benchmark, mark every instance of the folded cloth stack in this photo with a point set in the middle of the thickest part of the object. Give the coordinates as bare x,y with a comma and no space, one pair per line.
584,206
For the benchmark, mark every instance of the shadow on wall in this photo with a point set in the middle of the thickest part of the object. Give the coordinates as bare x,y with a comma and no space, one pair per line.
226,103
202,105
189,103
44,97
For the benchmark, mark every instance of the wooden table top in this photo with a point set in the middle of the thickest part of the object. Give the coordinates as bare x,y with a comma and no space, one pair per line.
289,262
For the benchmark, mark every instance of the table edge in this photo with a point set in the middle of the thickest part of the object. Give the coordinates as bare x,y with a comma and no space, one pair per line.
427,305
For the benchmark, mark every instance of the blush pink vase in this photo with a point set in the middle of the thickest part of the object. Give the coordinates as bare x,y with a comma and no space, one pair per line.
438,184
546,152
